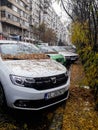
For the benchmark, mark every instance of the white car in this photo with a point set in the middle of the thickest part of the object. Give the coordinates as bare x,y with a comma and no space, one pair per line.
70,56
50,52
30,81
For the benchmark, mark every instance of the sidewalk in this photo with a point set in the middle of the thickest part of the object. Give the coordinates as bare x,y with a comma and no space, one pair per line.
79,113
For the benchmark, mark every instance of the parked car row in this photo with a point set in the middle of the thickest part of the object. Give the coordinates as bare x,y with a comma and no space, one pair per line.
68,54
70,57
50,52
29,79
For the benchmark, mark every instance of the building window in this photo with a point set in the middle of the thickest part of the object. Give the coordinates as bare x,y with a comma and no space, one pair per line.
19,11
21,21
17,1
21,3
9,16
15,19
28,1
26,24
3,14
15,8
9,5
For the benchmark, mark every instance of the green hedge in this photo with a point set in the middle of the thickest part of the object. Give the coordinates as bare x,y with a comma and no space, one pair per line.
90,62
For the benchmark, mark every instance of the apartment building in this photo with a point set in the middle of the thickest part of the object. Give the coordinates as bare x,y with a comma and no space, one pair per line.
61,31
58,27
39,11
19,17
14,17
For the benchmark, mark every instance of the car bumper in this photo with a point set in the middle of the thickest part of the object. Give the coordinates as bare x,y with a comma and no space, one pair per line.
30,99
40,103
72,58
75,58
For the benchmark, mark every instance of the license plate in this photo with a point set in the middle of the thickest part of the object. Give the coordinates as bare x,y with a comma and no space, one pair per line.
54,94
73,58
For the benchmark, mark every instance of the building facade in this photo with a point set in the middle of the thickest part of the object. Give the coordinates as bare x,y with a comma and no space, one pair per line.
19,17
14,17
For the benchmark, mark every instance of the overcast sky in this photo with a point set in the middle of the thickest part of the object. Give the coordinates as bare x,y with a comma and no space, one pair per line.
64,18
61,13
57,8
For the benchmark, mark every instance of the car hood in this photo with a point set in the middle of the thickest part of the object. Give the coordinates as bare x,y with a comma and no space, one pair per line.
68,54
35,68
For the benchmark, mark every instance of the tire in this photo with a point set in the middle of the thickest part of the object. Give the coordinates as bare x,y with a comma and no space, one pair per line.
2,97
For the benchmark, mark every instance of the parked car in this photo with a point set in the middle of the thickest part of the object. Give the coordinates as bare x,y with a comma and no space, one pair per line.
29,80
70,56
69,48
58,57
50,52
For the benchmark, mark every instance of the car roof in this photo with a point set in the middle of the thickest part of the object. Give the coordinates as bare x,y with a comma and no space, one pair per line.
14,42
7,41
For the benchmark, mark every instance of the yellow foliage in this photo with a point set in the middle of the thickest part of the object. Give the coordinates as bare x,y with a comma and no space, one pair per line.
79,33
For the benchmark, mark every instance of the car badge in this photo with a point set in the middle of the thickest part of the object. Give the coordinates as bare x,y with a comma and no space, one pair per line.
53,79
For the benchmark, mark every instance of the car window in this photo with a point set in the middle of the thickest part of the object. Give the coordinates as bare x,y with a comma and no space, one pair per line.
57,48
47,49
14,49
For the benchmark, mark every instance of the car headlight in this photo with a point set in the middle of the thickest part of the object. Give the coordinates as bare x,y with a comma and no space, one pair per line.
21,81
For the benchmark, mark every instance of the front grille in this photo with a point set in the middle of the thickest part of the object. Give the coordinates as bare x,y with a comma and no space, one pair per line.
45,83
74,58
40,103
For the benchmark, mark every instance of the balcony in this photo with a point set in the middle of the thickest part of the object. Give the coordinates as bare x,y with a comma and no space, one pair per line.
10,11
13,20
20,7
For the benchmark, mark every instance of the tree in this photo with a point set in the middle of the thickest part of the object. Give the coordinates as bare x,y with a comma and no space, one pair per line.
84,11
45,34
50,36
79,34
84,30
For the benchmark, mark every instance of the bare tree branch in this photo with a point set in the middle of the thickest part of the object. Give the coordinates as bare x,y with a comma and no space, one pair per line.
67,11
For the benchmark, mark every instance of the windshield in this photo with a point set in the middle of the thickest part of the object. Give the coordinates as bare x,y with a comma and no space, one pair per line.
20,52
57,48
14,49
47,49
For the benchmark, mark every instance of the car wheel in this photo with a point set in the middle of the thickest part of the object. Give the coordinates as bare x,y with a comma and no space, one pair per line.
2,97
